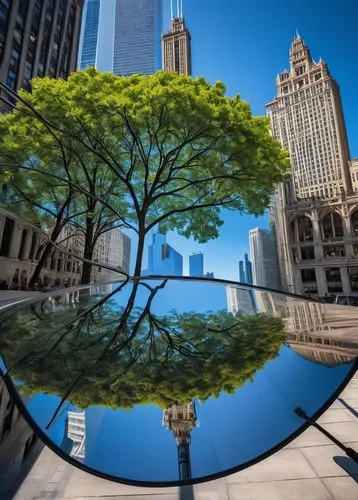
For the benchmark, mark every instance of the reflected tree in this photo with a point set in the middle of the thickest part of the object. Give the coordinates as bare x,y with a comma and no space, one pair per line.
121,356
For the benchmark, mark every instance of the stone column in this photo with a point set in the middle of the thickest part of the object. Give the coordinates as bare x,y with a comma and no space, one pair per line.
348,242
322,288
27,247
346,286
15,240
317,237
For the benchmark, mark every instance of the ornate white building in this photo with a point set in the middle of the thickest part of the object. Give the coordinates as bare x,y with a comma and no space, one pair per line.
21,247
315,213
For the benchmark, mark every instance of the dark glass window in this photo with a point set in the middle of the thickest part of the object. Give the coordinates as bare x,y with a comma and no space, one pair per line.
308,275
6,237
332,226
22,244
4,19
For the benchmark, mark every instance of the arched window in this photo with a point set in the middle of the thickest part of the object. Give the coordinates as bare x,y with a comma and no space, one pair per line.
305,231
354,220
332,226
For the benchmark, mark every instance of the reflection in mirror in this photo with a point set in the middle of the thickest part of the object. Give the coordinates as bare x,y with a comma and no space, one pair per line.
222,367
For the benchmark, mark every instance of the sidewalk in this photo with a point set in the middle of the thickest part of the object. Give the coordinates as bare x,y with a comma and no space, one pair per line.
8,296
307,468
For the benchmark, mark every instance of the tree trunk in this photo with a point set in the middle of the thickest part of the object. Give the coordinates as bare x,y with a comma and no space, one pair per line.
45,254
88,253
140,250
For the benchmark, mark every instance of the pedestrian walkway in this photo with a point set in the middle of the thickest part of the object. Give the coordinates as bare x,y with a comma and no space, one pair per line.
16,296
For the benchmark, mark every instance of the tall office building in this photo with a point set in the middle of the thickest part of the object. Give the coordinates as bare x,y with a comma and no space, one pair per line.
245,270
263,253
176,49
315,213
89,35
38,38
196,264
307,118
137,30
162,258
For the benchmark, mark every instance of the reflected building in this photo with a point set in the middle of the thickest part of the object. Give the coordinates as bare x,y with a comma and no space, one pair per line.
315,212
323,333
181,419
162,258
239,298
76,432
19,445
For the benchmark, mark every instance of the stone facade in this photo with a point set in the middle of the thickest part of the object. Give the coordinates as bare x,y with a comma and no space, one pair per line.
176,51
315,212
21,247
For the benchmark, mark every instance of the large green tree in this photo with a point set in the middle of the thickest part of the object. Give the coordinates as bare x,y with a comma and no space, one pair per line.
179,148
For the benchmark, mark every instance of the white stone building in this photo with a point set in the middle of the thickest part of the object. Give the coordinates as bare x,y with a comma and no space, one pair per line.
315,213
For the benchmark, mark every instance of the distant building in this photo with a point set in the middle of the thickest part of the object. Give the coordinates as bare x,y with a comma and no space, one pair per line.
38,38
137,37
113,249
88,52
245,271
196,264
21,247
176,50
162,258
240,299
209,275
263,253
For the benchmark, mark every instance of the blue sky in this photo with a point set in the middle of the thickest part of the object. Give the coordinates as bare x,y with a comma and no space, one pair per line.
245,45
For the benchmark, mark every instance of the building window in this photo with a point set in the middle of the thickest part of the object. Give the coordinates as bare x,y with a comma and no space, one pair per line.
332,226
353,278
305,230
334,251
22,245
354,221
308,275
307,253
333,277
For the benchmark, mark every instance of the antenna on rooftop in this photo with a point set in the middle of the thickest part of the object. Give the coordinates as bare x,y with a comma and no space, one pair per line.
178,10
171,9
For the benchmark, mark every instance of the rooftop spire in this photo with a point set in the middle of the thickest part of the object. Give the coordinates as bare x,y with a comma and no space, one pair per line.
179,9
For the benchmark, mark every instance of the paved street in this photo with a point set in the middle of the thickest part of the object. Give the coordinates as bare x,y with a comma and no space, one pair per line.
309,468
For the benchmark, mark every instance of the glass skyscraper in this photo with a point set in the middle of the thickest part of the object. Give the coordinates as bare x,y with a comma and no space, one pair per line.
88,51
137,31
196,264
162,258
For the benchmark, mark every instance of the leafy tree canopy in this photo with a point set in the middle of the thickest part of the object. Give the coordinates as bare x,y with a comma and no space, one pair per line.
179,147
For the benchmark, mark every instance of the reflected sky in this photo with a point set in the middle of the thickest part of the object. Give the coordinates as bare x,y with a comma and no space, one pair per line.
237,425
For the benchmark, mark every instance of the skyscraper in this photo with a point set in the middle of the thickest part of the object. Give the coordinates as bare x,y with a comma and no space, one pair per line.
176,50
137,37
245,270
196,264
315,212
307,118
263,253
38,39
89,38
162,258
